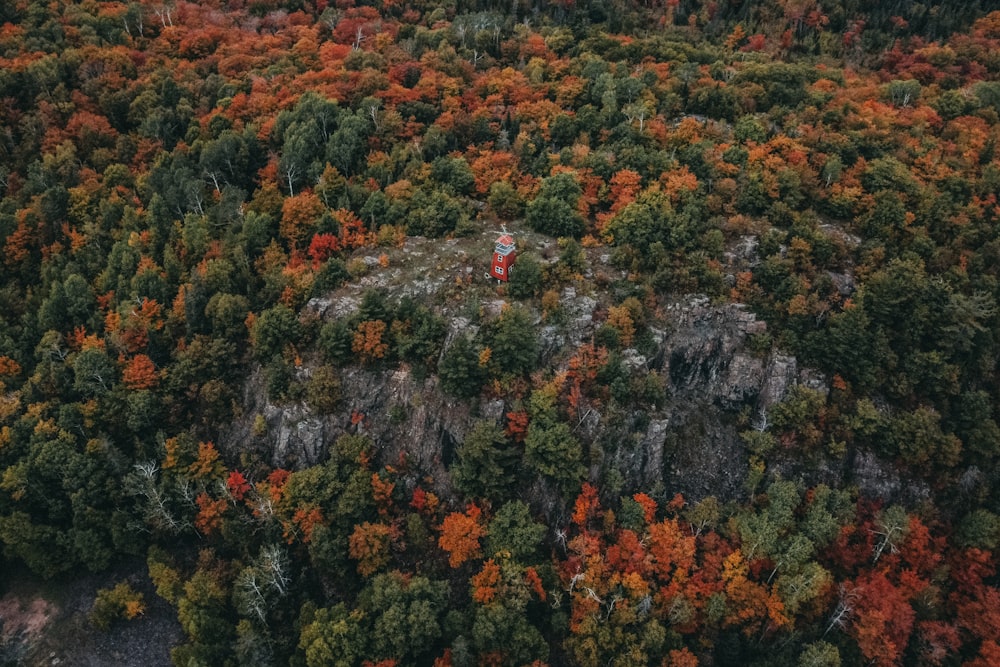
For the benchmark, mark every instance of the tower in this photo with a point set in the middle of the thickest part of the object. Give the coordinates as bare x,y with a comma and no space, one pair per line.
504,256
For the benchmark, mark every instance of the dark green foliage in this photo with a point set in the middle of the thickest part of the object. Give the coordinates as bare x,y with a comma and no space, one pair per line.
42,548
505,200
418,335
486,464
525,277
227,314
453,173
346,145
553,211
203,360
335,341
784,84
204,618
373,307
406,615
459,370
988,94
571,256
278,375
258,230
70,304
848,344
513,342
980,529
274,329
144,411
513,531
433,214
750,128
649,230
332,275
501,628
94,372
976,425
917,438
551,450
554,217
303,132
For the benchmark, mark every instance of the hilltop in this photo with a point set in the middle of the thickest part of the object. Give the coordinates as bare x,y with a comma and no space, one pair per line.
737,403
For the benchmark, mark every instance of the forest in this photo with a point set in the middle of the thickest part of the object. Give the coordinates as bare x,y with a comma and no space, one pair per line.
203,204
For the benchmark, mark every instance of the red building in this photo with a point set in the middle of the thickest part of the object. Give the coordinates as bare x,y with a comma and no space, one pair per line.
504,256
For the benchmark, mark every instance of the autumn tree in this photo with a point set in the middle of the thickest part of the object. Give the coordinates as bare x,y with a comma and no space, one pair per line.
460,535
300,215
139,373
368,343
120,602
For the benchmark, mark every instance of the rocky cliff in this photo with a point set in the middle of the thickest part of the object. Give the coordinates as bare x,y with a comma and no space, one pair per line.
704,358
690,444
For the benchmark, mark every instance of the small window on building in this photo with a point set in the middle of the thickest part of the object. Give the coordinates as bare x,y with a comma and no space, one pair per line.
499,270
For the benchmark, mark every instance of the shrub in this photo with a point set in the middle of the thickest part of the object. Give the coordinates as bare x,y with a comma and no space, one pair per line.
120,602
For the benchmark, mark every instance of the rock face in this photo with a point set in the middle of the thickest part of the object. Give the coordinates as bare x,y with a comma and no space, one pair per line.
701,355
690,444
290,436
405,417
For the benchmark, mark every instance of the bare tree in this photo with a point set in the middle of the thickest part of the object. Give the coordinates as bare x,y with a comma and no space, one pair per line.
156,512
373,113
274,563
644,606
290,171
844,609
561,538
214,178
251,596
891,527
615,599
164,12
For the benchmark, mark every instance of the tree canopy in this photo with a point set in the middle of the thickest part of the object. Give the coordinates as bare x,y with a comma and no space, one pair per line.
260,222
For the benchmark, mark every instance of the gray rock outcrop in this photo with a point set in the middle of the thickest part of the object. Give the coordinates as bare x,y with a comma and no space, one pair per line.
688,444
